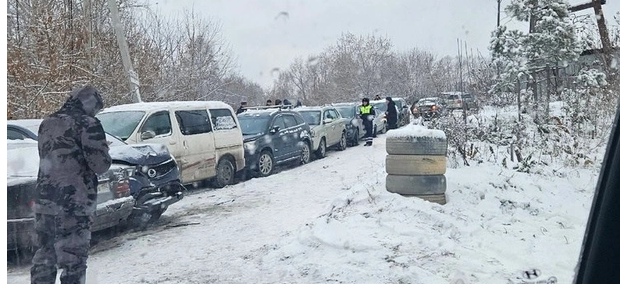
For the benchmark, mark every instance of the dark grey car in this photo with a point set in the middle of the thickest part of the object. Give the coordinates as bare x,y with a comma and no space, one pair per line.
272,137
355,128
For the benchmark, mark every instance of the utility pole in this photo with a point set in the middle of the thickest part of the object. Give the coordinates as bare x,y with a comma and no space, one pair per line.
134,81
499,10
600,21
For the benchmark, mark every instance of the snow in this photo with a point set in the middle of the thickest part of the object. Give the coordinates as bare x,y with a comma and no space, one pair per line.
22,161
30,124
154,106
413,130
333,221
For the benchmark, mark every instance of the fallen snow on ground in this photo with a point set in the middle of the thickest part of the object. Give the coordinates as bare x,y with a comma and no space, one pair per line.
413,130
332,221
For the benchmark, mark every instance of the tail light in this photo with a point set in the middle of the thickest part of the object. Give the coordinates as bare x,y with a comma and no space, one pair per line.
434,107
122,189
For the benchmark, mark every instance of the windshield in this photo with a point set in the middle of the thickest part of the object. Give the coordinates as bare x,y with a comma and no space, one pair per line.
346,111
381,107
399,104
120,123
253,125
311,117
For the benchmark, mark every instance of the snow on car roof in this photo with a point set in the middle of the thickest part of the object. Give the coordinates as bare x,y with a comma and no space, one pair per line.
413,130
153,106
23,161
30,124
258,112
312,108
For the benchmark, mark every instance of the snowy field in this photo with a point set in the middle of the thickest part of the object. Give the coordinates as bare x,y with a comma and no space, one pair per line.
332,221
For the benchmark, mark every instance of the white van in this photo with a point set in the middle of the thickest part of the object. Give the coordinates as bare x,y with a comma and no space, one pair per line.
203,136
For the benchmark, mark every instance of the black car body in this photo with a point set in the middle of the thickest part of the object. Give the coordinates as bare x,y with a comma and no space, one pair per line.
428,108
355,128
154,172
273,136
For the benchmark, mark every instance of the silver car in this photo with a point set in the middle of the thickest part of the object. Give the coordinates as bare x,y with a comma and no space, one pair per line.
327,128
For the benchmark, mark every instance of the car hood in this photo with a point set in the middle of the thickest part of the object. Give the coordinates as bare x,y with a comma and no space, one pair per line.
251,137
140,154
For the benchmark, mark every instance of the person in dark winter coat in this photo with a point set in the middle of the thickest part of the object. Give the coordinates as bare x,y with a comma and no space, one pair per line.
242,108
367,114
72,151
392,113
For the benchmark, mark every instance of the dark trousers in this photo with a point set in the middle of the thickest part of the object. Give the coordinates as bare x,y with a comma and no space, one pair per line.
62,242
392,123
368,127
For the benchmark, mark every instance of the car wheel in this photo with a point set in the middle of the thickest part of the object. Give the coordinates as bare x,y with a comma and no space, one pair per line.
225,173
305,153
343,142
320,153
265,164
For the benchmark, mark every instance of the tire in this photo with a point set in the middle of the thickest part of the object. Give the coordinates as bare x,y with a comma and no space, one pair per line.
415,165
322,151
410,145
225,173
416,185
342,145
305,153
265,164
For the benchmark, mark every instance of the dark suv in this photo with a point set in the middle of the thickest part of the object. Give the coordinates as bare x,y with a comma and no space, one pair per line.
272,137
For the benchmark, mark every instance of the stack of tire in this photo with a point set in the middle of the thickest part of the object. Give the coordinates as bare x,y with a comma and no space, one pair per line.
416,166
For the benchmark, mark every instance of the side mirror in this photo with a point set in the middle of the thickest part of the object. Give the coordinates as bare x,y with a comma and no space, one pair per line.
149,134
274,129
328,120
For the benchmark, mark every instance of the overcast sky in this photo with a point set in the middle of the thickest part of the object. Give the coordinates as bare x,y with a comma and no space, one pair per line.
268,34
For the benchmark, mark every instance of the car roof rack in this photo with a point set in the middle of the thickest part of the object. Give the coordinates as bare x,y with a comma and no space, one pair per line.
280,107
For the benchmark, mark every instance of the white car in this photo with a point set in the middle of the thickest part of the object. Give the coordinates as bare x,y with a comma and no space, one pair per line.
203,136
328,128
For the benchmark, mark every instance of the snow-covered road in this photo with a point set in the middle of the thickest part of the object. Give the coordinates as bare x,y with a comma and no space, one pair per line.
332,221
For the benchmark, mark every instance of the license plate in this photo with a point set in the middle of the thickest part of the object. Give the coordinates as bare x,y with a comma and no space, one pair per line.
103,187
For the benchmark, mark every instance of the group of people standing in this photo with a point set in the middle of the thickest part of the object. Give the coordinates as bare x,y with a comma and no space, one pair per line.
367,114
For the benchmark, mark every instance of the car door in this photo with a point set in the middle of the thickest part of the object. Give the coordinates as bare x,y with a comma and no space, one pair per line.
160,124
228,138
196,137
291,137
328,128
277,138
337,125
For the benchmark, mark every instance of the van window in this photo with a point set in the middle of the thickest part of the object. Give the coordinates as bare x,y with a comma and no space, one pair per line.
158,123
223,119
192,122
289,120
